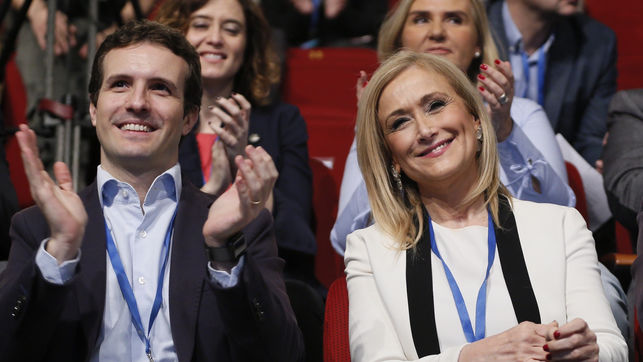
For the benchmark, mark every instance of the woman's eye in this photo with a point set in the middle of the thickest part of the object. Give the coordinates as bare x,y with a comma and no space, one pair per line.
233,30
399,122
455,20
435,105
200,25
420,20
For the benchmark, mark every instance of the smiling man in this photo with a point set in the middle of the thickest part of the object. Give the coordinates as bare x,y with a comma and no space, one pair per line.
141,265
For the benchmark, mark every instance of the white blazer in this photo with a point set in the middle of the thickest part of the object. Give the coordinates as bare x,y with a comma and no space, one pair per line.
560,260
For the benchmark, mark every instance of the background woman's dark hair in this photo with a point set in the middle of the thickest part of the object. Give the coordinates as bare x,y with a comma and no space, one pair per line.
260,70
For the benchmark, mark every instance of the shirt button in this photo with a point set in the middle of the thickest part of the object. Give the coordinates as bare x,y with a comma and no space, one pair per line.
124,194
141,280
142,234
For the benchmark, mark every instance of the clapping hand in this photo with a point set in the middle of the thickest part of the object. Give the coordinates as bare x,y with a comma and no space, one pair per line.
61,206
243,201
229,119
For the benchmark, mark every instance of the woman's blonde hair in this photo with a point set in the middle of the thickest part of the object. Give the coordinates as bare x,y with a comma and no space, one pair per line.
400,213
260,70
389,38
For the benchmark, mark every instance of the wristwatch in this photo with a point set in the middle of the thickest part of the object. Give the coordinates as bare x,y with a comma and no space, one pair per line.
231,252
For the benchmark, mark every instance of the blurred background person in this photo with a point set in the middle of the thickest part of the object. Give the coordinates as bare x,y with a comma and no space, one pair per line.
449,239
562,59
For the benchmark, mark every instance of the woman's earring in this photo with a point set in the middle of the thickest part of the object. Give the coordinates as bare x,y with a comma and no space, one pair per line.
479,134
397,178
477,54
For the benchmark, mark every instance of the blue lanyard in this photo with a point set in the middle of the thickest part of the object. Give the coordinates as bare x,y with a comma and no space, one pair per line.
542,65
126,288
481,302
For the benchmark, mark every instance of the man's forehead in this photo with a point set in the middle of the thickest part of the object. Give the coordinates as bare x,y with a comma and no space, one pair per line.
145,59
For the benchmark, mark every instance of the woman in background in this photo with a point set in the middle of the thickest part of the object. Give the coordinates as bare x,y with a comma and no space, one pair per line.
454,267
239,70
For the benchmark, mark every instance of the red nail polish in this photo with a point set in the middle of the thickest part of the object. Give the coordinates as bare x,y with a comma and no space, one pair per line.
497,61
483,66
481,77
546,348
481,89
557,334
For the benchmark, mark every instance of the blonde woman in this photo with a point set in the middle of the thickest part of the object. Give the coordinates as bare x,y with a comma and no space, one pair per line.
454,268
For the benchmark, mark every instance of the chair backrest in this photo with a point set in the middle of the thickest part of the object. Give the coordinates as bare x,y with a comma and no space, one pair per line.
328,264
321,82
625,20
576,183
336,347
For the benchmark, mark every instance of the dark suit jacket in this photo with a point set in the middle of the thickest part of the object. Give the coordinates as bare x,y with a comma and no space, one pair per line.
580,79
623,157
282,133
252,321
637,270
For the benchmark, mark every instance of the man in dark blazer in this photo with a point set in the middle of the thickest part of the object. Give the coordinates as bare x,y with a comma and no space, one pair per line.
223,299
580,70
623,157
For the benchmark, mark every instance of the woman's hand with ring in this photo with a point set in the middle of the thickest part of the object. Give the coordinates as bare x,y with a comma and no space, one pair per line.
496,87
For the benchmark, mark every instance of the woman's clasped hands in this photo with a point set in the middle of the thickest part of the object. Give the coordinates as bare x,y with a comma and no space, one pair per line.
528,341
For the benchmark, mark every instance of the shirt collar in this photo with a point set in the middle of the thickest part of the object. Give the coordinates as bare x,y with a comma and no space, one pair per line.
514,37
166,185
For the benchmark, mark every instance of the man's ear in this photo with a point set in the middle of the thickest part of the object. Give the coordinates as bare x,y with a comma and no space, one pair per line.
92,113
189,120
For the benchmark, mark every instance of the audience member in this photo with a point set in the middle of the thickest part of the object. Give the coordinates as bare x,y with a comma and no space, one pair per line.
427,147
238,70
87,272
637,270
532,167
562,59
623,157
311,23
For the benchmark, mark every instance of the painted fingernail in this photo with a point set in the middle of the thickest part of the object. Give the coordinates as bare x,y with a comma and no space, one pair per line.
481,77
484,67
557,334
481,89
497,61
222,125
546,348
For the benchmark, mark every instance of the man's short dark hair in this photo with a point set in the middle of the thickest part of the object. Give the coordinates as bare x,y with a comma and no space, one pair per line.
145,31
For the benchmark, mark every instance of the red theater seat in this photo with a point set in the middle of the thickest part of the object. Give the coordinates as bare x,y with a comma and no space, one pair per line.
321,82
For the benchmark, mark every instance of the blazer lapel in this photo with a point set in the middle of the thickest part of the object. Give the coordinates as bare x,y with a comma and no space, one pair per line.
513,266
560,63
187,269
419,289
419,283
91,282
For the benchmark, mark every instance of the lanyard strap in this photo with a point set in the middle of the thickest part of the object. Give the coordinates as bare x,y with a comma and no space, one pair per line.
481,302
126,288
542,65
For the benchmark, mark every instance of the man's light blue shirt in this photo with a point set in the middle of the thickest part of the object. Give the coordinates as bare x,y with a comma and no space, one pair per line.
516,49
138,233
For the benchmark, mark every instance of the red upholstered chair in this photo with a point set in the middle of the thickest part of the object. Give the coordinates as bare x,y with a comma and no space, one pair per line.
328,264
14,104
336,348
576,183
321,82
